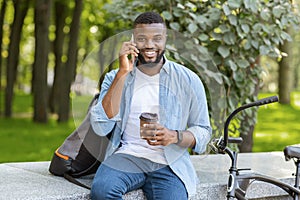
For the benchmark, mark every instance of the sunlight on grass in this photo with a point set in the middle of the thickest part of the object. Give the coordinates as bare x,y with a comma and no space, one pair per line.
296,100
277,125
23,140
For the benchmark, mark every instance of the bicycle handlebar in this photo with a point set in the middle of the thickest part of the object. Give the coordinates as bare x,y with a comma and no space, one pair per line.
260,102
264,101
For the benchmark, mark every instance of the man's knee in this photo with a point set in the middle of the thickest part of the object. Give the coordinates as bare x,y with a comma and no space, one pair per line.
96,194
97,191
105,190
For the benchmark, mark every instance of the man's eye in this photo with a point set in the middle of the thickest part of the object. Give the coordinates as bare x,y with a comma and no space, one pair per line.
157,39
141,39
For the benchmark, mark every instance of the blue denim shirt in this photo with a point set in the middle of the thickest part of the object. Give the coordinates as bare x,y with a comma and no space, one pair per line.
183,106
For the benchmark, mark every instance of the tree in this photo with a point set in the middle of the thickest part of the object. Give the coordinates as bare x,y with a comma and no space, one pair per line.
285,78
69,69
3,10
296,61
40,89
61,13
20,10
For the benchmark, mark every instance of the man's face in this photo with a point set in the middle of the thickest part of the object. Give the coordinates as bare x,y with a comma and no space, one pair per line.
150,40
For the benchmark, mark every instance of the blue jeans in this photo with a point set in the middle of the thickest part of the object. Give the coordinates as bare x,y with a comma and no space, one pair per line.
122,173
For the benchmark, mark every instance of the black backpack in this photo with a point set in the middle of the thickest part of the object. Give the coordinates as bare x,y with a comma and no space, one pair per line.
81,153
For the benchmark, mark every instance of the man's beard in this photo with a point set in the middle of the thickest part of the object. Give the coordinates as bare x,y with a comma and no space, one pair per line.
143,62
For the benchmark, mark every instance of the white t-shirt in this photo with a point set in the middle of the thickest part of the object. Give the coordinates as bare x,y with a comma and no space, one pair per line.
145,99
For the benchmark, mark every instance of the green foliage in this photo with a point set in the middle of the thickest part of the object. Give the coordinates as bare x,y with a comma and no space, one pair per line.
230,35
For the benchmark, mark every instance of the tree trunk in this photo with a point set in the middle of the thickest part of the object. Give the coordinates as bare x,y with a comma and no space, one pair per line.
296,77
3,10
285,78
21,7
69,70
60,16
247,144
40,94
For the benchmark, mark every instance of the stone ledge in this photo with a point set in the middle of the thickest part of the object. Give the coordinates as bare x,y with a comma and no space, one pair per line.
33,181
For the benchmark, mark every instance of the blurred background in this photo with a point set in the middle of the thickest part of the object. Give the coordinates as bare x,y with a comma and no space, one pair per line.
54,53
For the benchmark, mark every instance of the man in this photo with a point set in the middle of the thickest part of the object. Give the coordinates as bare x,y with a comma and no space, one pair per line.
147,82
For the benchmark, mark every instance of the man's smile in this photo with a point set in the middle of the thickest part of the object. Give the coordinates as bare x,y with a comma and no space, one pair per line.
150,53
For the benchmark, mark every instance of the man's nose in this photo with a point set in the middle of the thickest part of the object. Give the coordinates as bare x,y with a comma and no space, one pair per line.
149,43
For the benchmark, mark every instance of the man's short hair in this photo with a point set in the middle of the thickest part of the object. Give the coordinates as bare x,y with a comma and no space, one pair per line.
149,18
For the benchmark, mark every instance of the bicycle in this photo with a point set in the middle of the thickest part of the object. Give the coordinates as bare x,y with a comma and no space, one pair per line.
238,182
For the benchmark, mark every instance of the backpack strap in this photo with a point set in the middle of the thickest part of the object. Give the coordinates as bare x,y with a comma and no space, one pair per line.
75,181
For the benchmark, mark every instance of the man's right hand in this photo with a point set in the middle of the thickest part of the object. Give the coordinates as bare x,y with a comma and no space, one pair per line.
125,63
112,99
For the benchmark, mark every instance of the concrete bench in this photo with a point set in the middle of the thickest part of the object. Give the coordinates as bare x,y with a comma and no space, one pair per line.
32,180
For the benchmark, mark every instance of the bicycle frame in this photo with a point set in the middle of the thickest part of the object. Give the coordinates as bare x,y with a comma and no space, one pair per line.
237,183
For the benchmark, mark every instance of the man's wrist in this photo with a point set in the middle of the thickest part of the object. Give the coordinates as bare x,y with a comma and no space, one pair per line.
123,72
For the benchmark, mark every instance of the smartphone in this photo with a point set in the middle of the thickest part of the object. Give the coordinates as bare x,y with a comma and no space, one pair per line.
131,57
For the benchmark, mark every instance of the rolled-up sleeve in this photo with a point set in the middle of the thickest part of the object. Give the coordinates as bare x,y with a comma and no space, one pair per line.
202,136
198,122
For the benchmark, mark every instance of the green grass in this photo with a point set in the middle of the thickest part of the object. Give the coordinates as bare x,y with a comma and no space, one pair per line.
277,125
22,140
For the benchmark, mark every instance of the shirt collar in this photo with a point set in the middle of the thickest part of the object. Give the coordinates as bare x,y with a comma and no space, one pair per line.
166,65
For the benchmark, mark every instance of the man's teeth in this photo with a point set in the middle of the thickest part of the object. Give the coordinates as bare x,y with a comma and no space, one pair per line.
150,53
